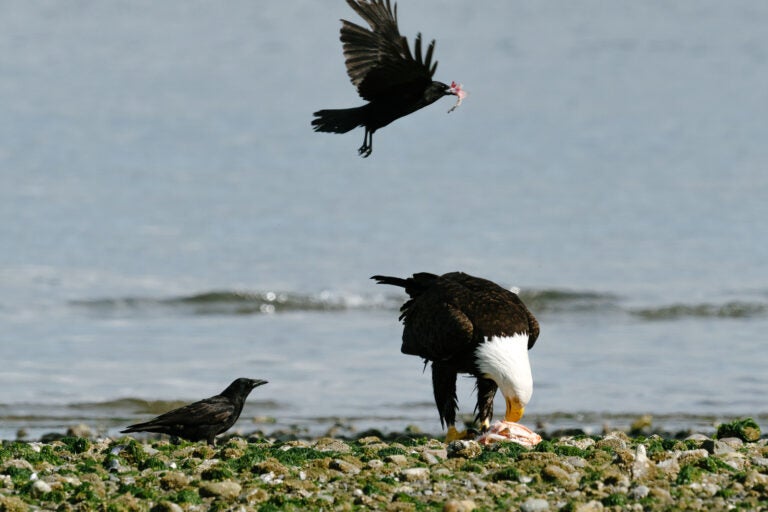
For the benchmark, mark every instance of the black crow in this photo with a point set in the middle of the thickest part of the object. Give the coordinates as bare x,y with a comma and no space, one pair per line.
204,419
386,74
465,324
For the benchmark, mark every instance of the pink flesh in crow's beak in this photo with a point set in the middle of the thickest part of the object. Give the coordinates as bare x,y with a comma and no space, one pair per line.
460,95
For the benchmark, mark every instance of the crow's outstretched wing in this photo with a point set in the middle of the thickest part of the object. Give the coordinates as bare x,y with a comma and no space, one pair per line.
379,61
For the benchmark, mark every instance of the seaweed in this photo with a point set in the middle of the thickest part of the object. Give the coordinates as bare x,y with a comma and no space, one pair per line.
745,429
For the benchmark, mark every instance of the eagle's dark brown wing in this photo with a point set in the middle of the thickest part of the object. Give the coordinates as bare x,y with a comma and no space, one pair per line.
456,312
379,61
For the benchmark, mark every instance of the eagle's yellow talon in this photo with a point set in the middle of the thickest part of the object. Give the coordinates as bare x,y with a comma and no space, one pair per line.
455,435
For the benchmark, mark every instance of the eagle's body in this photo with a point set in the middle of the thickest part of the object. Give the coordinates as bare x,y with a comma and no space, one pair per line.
465,324
380,65
202,420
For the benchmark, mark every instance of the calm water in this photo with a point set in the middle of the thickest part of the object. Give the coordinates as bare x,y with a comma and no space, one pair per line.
170,222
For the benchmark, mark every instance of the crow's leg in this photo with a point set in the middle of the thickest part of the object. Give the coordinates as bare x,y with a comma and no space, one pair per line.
367,148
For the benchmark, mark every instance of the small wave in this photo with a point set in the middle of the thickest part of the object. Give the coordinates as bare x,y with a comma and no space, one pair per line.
226,302
229,302
561,301
540,301
733,309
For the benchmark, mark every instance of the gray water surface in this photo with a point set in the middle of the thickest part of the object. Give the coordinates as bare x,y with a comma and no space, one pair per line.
170,222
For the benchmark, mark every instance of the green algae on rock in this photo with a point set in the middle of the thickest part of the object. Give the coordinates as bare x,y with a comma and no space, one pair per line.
609,472
745,429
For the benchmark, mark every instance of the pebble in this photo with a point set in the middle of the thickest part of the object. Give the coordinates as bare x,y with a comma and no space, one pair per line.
174,480
459,506
717,446
226,489
344,467
642,465
40,487
534,505
466,449
755,478
614,441
80,430
400,460
328,444
590,506
555,473
415,474
167,506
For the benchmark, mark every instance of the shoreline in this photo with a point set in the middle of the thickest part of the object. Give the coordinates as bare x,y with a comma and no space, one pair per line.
34,428
409,471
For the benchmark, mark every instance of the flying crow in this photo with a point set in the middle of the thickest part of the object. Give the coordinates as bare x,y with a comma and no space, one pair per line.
394,81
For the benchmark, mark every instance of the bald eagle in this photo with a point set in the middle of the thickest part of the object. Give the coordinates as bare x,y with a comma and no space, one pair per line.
465,324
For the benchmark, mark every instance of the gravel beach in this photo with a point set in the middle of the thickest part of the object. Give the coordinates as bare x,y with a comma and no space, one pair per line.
613,471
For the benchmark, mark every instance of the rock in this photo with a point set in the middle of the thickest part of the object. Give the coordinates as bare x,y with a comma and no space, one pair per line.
344,467
709,488
697,437
642,466
614,441
760,461
590,506
555,473
270,465
641,424
226,489
755,478
12,504
40,487
670,467
329,444
254,496
534,505
733,442
415,474
18,464
581,443
576,462
429,458
466,449
397,459
717,446
662,495
459,506
639,492
745,429
691,456
167,506
375,463
81,430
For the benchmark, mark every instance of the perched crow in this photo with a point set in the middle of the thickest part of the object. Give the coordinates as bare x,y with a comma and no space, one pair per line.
204,419
465,324
386,74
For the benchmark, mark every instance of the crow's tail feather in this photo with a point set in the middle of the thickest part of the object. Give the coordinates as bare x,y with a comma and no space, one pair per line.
338,120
